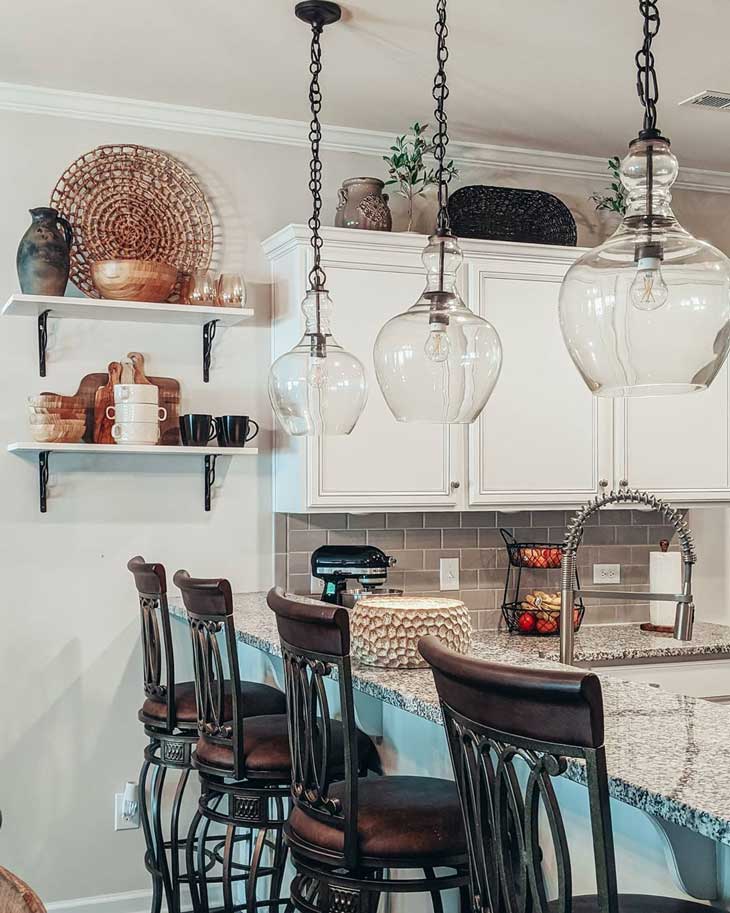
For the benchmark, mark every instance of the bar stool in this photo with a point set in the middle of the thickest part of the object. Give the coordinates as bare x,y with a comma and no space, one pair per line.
511,730
345,836
170,721
244,761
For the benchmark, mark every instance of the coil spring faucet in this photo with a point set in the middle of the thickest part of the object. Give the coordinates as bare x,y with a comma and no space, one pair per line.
684,618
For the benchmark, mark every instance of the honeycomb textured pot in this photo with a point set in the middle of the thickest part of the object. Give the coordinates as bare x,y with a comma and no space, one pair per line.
386,629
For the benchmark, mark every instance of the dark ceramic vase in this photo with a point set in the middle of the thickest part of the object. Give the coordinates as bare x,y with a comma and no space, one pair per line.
44,253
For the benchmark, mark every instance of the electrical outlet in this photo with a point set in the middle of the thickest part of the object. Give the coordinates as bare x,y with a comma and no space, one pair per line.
607,573
315,585
120,822
449,571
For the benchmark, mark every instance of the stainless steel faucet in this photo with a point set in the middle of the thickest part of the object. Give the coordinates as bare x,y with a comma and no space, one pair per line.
684,617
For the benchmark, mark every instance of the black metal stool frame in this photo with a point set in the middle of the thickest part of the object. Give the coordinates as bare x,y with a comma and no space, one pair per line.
170,742
237,798
346,882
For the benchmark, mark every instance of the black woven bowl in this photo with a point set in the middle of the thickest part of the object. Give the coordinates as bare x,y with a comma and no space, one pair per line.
506,214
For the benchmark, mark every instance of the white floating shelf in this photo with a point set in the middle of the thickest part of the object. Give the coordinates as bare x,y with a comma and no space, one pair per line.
44,307
146,449
135,311
210,454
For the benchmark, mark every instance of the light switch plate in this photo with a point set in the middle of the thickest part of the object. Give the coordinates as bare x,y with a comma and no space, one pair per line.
449,571
607,573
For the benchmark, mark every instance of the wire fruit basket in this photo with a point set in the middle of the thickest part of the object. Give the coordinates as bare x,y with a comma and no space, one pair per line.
536,613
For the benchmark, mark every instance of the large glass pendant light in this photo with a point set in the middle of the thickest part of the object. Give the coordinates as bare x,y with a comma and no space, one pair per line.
648,311
317,388
438,361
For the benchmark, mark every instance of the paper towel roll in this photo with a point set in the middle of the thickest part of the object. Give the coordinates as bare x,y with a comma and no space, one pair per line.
665,576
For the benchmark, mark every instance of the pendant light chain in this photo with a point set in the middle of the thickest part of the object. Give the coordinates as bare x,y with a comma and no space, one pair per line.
441,137
317,276
646,78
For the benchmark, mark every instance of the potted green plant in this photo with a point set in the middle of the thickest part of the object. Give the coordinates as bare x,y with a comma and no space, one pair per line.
408,168
615,201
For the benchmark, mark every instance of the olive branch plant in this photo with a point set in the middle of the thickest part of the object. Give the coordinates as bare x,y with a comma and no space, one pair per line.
407,167
616,200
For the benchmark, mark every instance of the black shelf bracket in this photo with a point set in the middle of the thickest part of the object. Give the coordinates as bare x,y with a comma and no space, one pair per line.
209,329
209,477
42,341
43,468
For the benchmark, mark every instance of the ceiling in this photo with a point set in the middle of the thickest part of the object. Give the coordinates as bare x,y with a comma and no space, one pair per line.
541,74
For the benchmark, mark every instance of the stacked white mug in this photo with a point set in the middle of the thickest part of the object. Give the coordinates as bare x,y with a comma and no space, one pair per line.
136,414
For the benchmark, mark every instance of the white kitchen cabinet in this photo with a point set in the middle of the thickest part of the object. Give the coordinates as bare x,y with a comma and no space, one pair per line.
542,440
677,446
382,463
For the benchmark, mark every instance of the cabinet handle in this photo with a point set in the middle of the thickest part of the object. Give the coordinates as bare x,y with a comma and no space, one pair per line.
455,485
623,483
603,483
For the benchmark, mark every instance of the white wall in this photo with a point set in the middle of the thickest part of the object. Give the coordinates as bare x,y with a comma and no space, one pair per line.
69,659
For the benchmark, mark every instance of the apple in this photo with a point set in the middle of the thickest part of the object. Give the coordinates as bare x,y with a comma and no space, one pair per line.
526,623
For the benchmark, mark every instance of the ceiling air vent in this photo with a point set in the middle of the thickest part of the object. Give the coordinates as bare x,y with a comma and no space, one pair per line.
718,101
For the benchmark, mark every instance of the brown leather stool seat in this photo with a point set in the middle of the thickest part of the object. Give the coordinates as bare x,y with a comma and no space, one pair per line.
266,748
258,699
398,817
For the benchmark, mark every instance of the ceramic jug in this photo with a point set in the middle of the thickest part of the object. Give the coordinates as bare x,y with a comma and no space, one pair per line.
362,204
43,258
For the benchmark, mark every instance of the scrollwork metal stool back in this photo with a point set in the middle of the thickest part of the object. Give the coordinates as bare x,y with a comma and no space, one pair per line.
242,757
511,732
346,833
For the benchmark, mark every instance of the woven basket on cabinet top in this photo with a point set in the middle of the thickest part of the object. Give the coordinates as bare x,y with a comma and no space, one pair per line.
132,202
507,214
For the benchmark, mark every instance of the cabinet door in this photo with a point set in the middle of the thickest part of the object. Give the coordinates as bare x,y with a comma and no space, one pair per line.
677,446
382,463
543,438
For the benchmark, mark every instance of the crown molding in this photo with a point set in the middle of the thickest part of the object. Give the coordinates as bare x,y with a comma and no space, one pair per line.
186,119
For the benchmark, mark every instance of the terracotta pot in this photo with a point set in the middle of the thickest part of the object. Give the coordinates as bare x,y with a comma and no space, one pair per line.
362,204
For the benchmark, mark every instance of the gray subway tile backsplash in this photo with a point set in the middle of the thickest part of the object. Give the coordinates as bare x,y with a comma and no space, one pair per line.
418,540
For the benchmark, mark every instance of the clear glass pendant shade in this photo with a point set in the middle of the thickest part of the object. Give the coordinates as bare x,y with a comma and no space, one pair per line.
317,388
648,311
438,361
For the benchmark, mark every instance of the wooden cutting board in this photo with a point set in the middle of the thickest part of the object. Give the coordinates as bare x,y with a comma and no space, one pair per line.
169,398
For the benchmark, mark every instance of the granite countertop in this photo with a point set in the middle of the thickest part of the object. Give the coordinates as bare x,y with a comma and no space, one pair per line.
667,754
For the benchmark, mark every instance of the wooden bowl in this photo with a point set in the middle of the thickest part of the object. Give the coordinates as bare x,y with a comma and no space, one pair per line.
52,402
60,412
60,432
134,280
52,417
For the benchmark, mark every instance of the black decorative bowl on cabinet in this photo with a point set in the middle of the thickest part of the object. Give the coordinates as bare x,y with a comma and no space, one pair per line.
508,214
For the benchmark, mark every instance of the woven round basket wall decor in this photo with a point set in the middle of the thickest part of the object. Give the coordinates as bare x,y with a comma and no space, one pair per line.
131,202
506,214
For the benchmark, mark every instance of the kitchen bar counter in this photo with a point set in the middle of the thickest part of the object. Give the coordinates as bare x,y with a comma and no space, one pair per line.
668,754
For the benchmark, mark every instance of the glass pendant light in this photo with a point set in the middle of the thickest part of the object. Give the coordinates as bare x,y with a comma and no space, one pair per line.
648,311
438,361
317,388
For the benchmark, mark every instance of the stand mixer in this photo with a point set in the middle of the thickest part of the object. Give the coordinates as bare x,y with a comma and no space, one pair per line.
336,564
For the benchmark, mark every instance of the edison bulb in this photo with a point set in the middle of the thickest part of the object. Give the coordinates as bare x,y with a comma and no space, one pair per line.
648,290
437,347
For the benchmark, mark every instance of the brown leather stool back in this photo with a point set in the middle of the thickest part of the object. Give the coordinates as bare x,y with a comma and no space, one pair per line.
315,645
16,896
495,715
209,605
157,654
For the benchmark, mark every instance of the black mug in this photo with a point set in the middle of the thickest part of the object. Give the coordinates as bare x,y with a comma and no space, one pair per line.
233,430
196,430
